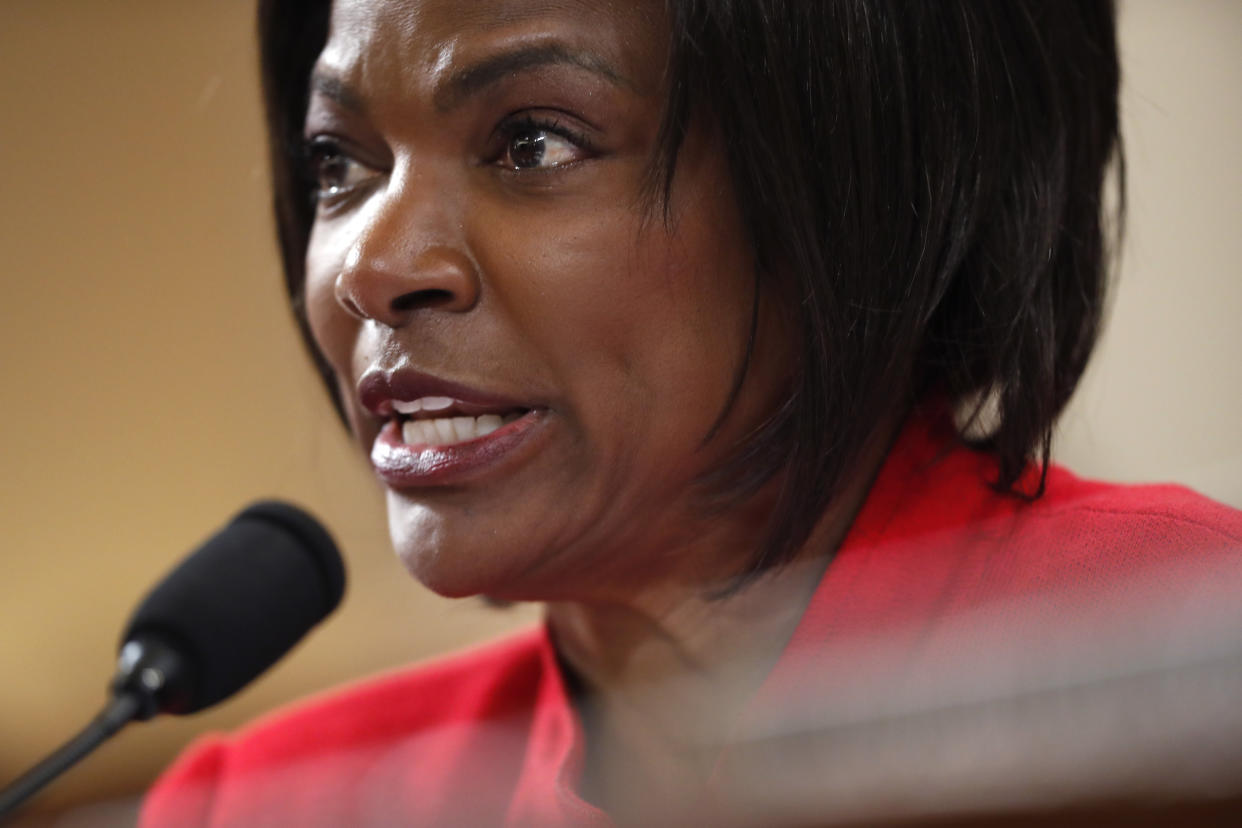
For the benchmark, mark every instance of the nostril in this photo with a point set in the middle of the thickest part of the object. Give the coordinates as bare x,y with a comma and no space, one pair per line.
392,291
421,299
352,307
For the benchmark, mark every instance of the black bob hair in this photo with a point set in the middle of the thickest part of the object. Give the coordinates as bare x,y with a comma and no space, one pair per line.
922,184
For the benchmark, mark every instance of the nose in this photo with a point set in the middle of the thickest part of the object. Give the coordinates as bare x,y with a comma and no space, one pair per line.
407,257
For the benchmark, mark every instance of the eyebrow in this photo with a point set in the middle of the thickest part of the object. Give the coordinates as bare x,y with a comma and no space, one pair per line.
333,87
473,79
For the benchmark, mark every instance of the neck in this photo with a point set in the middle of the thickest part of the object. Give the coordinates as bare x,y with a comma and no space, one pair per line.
665,654
663,673
660,685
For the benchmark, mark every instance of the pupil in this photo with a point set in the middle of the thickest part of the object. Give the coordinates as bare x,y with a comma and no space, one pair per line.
526,150
331,172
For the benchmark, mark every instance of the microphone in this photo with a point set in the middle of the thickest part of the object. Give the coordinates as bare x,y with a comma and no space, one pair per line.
221,617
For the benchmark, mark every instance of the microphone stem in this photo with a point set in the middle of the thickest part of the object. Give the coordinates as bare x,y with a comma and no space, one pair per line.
119,711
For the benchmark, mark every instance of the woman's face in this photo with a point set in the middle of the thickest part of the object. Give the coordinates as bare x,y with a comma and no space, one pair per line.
532,357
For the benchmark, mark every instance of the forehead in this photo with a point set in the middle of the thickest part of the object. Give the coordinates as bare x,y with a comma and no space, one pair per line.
400,43
469,13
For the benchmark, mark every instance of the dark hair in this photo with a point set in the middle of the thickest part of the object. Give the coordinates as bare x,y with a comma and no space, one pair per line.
922,186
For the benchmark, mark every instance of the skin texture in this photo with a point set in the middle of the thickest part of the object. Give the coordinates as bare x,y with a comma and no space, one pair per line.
561,286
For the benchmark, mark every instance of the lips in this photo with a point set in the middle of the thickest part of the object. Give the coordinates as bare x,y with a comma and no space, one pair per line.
442,421
378,391
437,432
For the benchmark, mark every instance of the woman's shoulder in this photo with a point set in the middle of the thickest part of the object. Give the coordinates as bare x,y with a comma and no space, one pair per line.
936,491
1083,526
1152,512
338,757
944,580
1098,549
935,539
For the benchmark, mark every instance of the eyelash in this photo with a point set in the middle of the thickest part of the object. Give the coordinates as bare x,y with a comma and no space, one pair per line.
319,150
526,122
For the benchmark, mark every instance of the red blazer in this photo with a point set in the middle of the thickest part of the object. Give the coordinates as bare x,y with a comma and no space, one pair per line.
937,568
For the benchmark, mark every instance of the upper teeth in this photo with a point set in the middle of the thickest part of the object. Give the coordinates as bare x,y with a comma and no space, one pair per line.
447,430
422,404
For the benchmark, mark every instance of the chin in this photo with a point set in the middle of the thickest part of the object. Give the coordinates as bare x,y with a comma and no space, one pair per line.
447,582
448,573
443,558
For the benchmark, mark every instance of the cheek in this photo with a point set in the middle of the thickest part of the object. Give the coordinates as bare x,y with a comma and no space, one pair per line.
333,329
644,327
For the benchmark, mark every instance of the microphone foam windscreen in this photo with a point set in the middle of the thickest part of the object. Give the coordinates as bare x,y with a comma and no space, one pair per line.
244,598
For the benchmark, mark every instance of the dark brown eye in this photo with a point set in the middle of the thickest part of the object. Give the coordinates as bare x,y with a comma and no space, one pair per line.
526,149
335,173
330,171
533,146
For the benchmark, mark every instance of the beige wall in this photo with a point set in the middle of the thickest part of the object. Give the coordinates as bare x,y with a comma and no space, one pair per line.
1163,398
151,381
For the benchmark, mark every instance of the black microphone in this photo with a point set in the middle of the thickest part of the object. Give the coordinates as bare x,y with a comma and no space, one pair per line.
224,615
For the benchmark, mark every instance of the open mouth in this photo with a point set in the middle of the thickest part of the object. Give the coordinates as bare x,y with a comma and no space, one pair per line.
444,421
